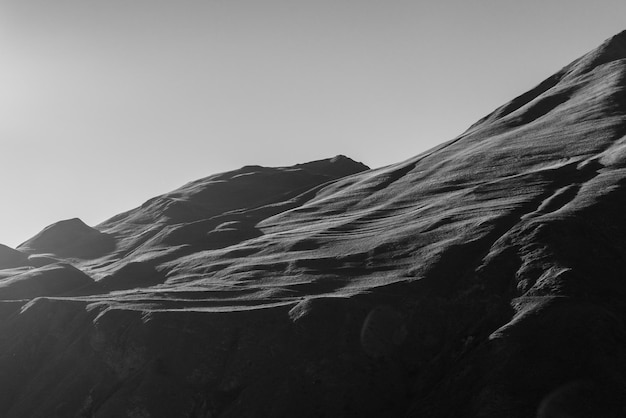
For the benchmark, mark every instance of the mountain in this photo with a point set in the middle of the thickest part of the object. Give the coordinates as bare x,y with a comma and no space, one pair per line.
483,278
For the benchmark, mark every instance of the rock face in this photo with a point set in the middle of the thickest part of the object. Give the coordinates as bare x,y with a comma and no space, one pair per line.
483,278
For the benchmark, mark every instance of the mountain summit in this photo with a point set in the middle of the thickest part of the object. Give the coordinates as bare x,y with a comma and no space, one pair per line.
482,278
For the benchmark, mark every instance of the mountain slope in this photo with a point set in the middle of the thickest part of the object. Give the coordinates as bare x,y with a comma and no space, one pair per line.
483,278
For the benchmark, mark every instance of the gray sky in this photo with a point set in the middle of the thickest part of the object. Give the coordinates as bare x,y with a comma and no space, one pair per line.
104,104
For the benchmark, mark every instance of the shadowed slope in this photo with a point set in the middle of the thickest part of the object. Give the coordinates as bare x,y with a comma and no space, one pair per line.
51,280
483,278
10,258
69,238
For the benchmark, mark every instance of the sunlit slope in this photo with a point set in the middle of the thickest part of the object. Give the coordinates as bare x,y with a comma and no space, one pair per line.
483,278
547,155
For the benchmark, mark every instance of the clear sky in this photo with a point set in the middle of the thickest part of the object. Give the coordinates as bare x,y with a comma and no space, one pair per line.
106,103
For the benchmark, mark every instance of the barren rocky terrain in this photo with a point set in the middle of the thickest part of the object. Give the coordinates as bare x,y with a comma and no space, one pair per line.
483,278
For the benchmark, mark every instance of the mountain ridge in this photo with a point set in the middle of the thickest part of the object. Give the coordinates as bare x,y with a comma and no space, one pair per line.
481,278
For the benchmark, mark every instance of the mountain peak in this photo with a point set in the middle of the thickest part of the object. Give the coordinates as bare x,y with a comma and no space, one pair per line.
337,166
69,238
558,94
618,38
612,49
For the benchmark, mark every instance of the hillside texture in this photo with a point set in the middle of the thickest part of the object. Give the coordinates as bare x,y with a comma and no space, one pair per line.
483,278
